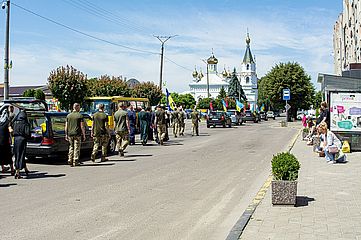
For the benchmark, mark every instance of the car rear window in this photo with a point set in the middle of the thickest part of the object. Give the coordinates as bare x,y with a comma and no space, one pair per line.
215,114
58,124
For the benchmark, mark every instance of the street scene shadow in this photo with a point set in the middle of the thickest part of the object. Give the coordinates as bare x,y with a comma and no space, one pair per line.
139,155
48,161
123,159
8,185
302,201
36,175
96,164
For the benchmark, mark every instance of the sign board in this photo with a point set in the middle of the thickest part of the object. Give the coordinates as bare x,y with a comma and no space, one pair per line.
287,107
345,112
286,94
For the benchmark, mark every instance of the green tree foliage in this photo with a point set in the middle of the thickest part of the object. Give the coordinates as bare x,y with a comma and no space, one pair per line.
235,89
204,103
285,166
148,90
287,75
29,92
39,94
110,86
34,93
68,85
317,100
222,93
187,101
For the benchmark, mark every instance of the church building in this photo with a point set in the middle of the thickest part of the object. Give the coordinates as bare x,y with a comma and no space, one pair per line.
215,80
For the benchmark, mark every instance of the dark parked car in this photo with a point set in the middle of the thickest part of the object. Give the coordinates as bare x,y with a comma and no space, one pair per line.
236,116
251,116
48,130
263,116
219,118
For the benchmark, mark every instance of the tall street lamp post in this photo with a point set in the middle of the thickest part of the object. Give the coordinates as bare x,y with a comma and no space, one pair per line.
6,59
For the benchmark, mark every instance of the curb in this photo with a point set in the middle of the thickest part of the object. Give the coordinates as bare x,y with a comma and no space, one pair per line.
242,222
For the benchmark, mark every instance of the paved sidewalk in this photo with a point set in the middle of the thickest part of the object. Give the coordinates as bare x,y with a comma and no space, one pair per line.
329,202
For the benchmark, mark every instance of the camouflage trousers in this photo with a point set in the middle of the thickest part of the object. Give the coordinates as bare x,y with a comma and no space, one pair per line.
176,129
102,141
162,129
122,140
181,128
195,130
74,149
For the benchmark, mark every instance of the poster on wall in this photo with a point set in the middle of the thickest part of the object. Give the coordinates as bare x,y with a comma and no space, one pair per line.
345,110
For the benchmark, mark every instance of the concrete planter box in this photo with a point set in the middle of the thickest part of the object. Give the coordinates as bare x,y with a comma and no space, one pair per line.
284,192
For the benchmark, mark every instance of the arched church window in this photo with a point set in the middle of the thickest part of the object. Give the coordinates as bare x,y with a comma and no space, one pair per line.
247,66
247,79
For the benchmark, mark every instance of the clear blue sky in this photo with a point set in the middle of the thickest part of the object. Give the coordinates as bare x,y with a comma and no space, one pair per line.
282,30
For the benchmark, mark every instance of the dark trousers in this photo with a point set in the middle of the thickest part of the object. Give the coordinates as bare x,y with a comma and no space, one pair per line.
144,132
19,152
132,134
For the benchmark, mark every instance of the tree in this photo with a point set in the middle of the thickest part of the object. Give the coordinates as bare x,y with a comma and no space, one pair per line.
110,86
287,75
187,101
39,94
148,90
222,93
68,85
29,92
34,93
235,89
317,100
204,103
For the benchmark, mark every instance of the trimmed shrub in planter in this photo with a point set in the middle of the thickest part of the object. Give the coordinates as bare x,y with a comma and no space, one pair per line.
285,168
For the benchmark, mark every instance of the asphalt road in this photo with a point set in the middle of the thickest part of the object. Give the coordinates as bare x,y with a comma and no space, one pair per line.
191,188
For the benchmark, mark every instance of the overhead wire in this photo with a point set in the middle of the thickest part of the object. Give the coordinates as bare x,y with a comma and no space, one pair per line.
96,38
83,33
98,12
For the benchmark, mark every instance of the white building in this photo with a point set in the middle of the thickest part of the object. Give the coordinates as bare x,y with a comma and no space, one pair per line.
247,77
347,36
198,88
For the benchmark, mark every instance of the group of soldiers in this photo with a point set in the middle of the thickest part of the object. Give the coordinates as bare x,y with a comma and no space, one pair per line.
124,128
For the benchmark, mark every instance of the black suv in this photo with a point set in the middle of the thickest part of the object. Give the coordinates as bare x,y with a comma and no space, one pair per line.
48,130
251,116
219,118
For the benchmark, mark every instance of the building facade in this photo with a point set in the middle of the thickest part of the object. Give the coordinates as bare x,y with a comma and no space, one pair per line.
247,77
347,36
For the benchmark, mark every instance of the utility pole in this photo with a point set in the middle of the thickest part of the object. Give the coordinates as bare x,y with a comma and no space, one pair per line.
162,39
6,59
208,95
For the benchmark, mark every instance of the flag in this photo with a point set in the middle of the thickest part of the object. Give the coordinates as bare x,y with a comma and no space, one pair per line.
170,102
262,107
224,105
239,105
211,106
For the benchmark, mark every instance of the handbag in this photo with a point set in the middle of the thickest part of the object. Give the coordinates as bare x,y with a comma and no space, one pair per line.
333,149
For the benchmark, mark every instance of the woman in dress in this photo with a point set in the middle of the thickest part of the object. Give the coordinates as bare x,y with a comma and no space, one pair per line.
5,146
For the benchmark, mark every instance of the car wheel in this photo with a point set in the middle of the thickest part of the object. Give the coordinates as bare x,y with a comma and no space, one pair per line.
112,145
208,126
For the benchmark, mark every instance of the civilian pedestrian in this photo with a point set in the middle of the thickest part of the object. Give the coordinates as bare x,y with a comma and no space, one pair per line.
5,140
144,118
132,124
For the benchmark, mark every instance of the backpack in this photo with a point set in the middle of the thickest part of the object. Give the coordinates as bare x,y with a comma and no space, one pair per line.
22,128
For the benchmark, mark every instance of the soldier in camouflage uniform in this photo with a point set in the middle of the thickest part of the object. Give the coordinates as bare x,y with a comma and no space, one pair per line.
74,134
182,125
161,122
175,122
195,122
122,128
100,133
